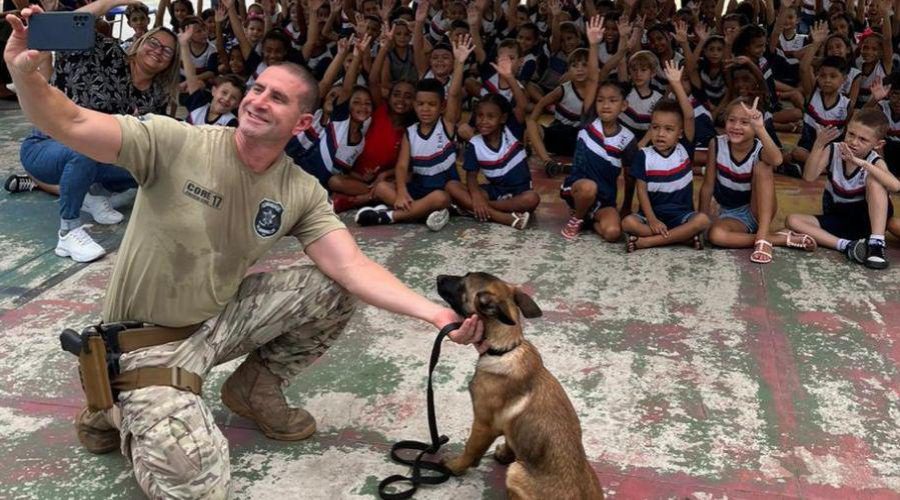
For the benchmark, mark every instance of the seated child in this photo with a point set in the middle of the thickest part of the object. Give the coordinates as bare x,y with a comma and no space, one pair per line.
665,177
209,108
826,106
642,98
849,198
498,153
605,150
427,159
571,99
740,177
341,140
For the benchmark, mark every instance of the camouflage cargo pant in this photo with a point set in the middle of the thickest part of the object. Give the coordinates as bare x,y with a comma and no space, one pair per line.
291,317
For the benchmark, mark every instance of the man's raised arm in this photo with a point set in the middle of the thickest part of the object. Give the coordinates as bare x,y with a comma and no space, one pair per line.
90,133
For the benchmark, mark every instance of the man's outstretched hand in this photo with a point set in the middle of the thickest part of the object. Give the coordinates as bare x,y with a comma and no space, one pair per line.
18,57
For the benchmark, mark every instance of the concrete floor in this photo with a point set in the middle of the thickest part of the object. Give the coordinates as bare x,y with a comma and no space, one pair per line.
695,374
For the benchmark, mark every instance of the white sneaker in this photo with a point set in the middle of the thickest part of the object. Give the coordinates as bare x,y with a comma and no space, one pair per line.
101,210
79,245
438,219
123,199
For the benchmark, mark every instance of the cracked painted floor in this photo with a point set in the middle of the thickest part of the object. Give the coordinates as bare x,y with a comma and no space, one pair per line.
695,374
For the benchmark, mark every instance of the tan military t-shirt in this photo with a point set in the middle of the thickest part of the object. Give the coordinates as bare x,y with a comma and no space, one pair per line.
201,219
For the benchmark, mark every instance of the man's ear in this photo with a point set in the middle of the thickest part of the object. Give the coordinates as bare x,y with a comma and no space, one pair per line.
529,308
303,122
487,305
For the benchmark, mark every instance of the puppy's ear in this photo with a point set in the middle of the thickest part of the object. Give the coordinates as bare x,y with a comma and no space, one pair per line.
529,308
488,306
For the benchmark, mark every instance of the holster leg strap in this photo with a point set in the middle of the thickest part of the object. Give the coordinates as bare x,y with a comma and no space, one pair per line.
150,376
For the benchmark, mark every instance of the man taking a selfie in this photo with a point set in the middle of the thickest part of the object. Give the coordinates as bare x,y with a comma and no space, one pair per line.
211,202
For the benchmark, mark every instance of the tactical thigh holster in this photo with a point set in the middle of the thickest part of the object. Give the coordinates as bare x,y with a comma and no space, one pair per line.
99,348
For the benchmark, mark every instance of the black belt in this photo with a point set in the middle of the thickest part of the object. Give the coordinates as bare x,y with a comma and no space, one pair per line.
440,473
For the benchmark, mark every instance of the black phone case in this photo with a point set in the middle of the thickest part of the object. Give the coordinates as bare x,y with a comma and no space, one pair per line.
61,31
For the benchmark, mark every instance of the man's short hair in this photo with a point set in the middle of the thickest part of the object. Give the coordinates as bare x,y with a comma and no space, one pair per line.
872,118
309,91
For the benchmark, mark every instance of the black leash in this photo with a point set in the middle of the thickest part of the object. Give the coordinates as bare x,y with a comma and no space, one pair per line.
439,473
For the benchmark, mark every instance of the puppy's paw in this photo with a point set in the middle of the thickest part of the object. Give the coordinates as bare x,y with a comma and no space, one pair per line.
457,465
504,454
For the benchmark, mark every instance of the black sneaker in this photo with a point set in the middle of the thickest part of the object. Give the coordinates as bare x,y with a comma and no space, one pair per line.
552,168
17,183
372,218
876,259
856,251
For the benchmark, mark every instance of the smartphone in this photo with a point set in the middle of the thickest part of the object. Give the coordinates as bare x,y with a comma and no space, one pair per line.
62,31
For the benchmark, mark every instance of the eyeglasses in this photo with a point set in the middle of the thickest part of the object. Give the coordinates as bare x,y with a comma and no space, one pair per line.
156,46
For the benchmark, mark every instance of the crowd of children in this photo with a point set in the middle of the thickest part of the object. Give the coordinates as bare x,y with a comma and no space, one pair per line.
414,95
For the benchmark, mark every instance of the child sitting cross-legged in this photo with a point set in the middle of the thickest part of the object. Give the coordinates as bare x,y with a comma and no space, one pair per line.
427,159
605,149
498,153
664,176
571,99
855,206
739,175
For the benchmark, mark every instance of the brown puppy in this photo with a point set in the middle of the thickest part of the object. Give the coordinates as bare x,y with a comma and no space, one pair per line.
514,396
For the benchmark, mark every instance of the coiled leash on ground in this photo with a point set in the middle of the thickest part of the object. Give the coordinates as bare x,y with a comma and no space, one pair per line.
440,473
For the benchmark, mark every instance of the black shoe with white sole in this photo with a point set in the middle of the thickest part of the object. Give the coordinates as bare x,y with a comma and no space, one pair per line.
876,258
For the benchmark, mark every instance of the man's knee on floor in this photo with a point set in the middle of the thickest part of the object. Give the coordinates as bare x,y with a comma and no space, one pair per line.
183,458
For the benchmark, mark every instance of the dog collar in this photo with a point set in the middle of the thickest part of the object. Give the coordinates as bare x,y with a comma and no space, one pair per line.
500,352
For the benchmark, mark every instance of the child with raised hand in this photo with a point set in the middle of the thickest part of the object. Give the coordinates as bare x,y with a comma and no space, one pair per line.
605,150
427,160
886,97
664,176
834,46
438,64
573,99
855,210
497,152
204,107
739,175
341,141
875,54
826,105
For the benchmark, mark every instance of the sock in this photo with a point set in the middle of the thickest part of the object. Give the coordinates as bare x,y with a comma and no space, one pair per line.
66,225
876,239
842,244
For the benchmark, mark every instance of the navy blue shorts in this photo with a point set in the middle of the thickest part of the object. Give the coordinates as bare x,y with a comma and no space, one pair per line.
495,192
850,223
670,220
417,191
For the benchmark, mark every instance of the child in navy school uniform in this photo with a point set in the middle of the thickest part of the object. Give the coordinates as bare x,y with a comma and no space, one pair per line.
642,97
664,175
740,177
497,152
855,206
571,99
204,107
427,160
604,151
339,141
826,105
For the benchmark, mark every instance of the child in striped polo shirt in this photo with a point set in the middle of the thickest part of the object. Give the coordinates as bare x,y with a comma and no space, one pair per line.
498,153
427,160
739,175
855,205
664,175
604,151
